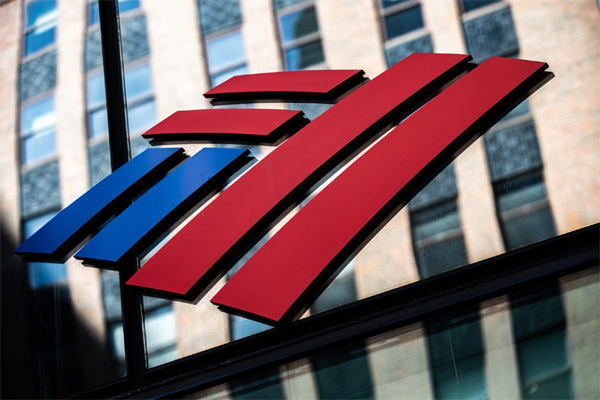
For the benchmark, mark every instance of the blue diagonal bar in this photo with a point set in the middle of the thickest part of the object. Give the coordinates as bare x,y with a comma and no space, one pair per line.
155,211
56,240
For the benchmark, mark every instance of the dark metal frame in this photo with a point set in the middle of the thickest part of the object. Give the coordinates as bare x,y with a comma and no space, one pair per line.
439,294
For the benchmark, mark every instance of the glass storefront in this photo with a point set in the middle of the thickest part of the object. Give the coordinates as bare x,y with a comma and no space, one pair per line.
533,177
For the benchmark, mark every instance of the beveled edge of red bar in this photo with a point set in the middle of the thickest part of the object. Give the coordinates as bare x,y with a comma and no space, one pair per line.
325,86
228,125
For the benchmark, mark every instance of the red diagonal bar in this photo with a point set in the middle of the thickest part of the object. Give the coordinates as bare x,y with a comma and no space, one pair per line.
272,285
193,258
315,85
227,125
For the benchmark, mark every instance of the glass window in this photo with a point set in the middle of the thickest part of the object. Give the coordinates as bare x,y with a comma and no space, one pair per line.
299,24
404,21
300,39
161,335
437,236
41,19
524,210
141,117
38,122
304,56
43,274
400,17
539,324
226,57
138,82
456,348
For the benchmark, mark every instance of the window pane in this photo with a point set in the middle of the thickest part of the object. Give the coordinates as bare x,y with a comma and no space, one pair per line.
161,336
142,117
403,22
43,274
243,327
128,5
519,192
94,13
138,81
40,11
530,228
225,51
438,219
98,123
442,256
304,56
38,146
342,290
222,77
38,116
40,38
96,93
299,24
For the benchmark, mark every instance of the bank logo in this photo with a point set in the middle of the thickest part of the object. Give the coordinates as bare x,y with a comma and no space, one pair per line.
443,101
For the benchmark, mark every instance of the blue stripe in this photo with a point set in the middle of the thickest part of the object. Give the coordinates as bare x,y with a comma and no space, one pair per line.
154,212
56,240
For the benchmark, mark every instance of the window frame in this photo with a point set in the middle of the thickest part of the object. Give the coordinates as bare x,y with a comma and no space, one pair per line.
386,12
27,134
126,14
212,73
28,29
295,43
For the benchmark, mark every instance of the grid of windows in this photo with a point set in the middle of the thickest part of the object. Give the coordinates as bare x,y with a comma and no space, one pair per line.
40,25
300,37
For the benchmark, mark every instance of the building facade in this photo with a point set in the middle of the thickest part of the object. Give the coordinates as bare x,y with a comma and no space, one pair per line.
534,177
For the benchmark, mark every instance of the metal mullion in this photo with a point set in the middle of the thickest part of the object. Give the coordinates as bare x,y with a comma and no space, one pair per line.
120,153
313,37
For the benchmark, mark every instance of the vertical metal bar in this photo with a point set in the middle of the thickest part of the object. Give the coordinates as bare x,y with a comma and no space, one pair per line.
131,301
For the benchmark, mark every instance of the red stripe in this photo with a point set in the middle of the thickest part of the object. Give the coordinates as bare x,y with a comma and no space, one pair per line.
190,261
325,85
225,124
273,283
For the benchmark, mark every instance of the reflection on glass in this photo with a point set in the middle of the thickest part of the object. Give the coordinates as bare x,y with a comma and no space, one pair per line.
141,117
98,121
524,210
299,24
533,342
438,241
43,274
405,21
304,56
219,78
37,129
138,82
38,147
160,327
539,324
456,348
342,290
41,25
343,374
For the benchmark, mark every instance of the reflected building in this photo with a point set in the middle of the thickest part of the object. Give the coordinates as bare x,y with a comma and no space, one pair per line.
532,177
